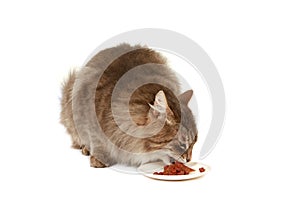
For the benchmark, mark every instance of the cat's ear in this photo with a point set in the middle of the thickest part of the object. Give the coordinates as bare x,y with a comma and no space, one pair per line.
185,97
160,106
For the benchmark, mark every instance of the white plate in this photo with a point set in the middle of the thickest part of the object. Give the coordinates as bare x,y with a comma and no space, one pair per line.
149,168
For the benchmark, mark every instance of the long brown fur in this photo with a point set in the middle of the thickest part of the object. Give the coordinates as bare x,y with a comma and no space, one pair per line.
178,124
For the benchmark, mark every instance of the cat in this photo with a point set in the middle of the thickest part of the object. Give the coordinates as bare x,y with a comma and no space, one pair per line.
137,104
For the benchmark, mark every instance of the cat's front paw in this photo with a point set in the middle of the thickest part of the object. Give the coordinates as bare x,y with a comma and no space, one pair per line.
94,162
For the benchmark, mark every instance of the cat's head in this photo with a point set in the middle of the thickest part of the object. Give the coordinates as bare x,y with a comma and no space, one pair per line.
179,133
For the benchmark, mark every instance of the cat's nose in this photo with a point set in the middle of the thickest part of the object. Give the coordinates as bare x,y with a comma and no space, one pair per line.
185,158
188,159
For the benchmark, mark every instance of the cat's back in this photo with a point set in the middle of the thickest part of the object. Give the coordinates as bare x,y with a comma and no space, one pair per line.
132,62
132,76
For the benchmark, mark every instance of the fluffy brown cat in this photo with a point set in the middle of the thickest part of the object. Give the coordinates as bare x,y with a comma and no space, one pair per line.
138,105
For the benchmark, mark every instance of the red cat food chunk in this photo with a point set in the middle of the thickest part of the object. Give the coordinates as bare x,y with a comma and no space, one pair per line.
177,168
201,169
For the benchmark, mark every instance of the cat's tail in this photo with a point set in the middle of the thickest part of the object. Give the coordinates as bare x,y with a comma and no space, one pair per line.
67,85
66,114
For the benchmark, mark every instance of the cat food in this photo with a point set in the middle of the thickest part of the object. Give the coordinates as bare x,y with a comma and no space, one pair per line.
177,168
201,169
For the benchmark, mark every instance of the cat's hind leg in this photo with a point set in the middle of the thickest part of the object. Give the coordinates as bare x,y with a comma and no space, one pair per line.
94,162
75,146
85,151
76,142
100,157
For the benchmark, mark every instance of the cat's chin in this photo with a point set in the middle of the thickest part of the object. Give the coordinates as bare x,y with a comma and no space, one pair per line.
171,160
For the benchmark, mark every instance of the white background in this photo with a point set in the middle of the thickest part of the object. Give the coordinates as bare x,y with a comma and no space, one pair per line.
254,44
